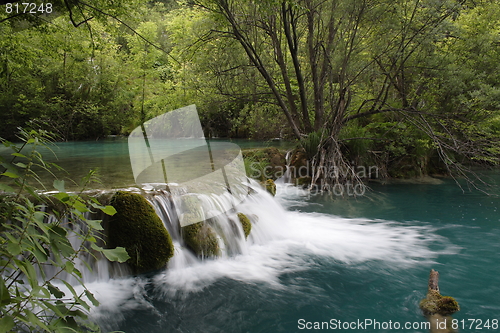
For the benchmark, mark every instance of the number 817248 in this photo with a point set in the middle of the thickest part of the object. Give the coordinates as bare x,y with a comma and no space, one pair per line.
28,8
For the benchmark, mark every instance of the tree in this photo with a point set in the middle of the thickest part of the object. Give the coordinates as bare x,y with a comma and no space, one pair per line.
332,63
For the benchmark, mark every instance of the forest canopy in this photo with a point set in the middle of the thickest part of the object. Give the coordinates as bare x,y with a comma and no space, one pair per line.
409,82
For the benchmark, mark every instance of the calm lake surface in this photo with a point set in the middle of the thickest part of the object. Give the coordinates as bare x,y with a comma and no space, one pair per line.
110,158
317,260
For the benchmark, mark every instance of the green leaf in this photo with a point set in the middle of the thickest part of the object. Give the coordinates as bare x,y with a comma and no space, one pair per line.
95,224
54,309
118,254
9,174
65,325
4,293
76,296
62,196
55,291
39,216
59,185
69,267
6,188
33,319
14,249
6,324
30,272
41,256
80,206
91,298
18,155
109,210
21,165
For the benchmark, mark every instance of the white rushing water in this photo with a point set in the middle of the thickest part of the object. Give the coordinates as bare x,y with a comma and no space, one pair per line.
281,241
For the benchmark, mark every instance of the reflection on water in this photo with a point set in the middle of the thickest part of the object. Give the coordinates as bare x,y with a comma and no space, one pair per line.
111,158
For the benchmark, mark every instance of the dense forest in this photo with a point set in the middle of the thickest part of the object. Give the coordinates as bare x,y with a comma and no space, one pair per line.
395,83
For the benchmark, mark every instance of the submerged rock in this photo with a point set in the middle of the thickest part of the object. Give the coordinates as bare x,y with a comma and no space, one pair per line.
245,223
201,239
138,229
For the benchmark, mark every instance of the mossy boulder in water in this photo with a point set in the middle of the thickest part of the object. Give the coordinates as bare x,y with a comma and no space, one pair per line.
138,229
436,303
270,186
245,223
201,239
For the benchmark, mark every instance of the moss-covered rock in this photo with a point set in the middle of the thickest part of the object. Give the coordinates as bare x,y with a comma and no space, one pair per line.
270,186
299,164
437,304
447,305
201,239
245,223
138,229
303,181
263,163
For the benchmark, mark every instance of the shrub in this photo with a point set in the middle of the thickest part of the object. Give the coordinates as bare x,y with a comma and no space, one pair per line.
30,299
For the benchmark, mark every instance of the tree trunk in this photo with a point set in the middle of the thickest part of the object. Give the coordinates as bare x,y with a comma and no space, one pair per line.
437,308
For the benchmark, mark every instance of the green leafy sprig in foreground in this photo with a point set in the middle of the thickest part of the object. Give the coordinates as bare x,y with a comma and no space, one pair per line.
34,238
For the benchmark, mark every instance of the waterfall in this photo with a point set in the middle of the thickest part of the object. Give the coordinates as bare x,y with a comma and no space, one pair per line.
287,176
229,231
282,241
101,269
168,206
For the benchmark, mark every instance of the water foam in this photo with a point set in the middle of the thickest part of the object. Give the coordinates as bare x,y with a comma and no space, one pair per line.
287,241
281,242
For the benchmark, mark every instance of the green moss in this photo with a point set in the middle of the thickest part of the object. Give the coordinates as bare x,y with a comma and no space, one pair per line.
201,238
447,305
428,307
245,223
137,228
270,186
435,303
303,181
263,163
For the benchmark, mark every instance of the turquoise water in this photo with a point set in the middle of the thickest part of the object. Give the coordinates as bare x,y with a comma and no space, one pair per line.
350,260
317,260
109,157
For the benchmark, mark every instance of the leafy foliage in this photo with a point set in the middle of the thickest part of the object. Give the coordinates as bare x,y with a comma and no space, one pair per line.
267,69
36,256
